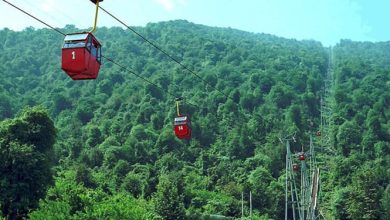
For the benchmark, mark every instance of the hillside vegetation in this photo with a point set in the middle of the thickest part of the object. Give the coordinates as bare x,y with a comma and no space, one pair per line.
360,170
115,155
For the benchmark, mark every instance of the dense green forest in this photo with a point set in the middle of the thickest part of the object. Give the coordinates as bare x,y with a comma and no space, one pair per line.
359,173
105,149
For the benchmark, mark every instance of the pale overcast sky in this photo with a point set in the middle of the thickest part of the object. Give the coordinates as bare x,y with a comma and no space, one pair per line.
327,21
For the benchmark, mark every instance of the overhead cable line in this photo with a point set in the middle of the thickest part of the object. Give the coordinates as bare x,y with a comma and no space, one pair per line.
48,25
164,52
107,58
144,79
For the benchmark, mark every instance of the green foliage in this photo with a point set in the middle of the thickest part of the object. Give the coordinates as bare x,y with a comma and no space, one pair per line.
83,176
70,200
281,95
94,137
54,210
266,192
134,184
61,103
361,131
120,206
26,151
348,137
115,140
216,203
365,193
5,107
168,203
339,203
385,203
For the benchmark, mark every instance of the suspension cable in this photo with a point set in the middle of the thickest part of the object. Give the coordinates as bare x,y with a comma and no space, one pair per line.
55,29
143,78
107,58
164,52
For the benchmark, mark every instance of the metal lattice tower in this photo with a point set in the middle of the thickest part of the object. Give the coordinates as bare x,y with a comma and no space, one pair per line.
326,107
303,176
302,184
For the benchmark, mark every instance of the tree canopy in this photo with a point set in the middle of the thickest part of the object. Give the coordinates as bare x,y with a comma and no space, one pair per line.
110,144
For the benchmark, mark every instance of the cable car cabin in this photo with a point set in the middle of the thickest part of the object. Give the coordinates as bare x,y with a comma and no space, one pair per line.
183,127
295,167
301,156
81,56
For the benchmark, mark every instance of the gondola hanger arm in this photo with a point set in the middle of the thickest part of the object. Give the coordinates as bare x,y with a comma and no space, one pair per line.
96,2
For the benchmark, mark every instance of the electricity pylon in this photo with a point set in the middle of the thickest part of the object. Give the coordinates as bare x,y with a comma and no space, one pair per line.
302,184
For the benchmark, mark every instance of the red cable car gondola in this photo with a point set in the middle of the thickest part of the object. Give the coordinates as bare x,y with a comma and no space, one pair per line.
81,56
182,124
81,53
183,127
301,156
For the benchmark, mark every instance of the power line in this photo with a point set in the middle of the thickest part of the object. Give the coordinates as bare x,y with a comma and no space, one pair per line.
164,52
107,58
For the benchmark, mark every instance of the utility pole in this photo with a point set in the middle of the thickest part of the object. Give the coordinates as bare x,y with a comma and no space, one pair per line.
242,204
250,204
286,190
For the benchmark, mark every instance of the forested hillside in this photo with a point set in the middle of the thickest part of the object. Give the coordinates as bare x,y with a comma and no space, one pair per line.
360,170
115,155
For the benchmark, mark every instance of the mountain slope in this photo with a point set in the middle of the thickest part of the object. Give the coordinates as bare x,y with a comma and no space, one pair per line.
115,140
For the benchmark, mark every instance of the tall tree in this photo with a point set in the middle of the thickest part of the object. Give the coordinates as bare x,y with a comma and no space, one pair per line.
26,151
168,203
